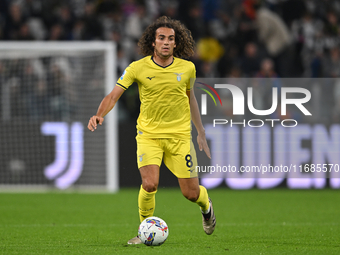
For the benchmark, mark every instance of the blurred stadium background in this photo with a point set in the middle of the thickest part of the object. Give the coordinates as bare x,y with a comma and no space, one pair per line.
48,94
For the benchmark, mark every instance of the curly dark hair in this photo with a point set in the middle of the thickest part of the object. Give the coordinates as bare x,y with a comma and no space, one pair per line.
184,42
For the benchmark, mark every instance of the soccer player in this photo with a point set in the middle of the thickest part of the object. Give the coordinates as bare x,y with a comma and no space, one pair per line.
165,83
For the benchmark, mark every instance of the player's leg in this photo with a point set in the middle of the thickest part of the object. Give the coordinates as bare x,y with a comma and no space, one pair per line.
191,190
148,189
180,158
197,193
146,196
149,158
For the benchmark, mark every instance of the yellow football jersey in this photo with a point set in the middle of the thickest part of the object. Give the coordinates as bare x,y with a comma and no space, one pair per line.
164,109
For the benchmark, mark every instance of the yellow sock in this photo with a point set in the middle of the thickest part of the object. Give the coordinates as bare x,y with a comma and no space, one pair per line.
146,203
203,199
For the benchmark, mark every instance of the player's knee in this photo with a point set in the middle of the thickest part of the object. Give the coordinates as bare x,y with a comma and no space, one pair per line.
150,186
191,195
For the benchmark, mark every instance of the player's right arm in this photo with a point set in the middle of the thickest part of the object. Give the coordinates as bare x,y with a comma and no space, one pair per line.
105,107
123,83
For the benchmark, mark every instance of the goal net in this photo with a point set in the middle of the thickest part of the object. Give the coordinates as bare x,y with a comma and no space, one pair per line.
48,92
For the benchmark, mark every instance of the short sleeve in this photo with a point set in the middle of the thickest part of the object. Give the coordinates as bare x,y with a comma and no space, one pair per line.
192,79
128,77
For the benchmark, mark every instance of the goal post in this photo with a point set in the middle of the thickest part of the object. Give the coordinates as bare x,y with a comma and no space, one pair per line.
48,92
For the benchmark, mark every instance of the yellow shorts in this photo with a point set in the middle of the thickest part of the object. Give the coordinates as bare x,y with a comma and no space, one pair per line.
179,155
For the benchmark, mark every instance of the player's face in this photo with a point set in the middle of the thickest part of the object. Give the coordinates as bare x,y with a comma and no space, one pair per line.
165,42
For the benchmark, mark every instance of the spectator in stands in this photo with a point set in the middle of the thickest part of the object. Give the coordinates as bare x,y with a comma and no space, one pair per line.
107,6
331,64
66,19
290,10
305,33
243,21
332,27
114,21
267,69
129,7
39,102
228,61
193,18
137,22
29,81
14,21
207,69
56,81
1,29
93,28
3,9
56,33
275,35
306,29
315,65
250,62
262,87
170,10
78,30
235,73
25,33
17,108
33,8
210,10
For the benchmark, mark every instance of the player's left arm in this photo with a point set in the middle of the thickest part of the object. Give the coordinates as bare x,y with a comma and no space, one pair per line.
196,119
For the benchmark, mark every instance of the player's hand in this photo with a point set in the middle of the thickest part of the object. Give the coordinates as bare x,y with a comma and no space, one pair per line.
94,120
202,144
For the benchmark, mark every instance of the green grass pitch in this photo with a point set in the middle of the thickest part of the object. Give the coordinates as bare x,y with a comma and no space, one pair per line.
277,221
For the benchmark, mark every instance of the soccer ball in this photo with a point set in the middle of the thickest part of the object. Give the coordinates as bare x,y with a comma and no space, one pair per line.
153,231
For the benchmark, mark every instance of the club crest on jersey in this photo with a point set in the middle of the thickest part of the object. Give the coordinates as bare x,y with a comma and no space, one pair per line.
121,77
179,76
141,157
